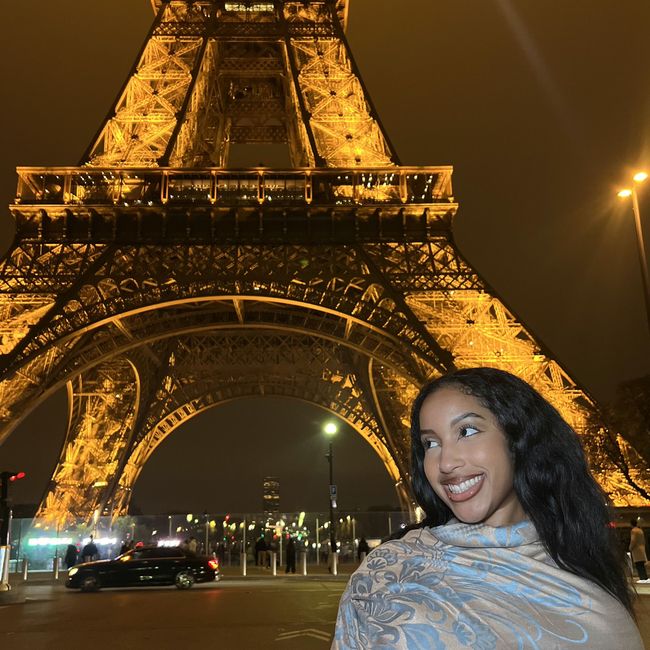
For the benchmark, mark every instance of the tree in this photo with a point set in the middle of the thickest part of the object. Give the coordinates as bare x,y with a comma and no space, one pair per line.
627,415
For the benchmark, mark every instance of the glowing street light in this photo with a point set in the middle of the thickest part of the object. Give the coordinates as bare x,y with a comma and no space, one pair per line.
639,177
330,429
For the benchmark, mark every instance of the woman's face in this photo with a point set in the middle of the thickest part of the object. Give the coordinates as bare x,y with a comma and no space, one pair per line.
466,459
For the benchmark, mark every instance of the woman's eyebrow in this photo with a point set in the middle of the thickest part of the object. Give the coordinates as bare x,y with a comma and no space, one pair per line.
469,414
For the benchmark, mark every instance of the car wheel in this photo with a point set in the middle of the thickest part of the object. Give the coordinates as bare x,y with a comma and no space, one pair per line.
184,580
90,583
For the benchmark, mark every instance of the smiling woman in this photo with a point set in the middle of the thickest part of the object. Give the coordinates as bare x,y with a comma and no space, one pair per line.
467,461
515,548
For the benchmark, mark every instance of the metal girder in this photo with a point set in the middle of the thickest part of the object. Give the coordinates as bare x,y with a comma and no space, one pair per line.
103,404
257,362
326,291
326,279
211,73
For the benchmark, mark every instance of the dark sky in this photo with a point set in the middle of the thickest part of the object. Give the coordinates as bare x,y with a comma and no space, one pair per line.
543,108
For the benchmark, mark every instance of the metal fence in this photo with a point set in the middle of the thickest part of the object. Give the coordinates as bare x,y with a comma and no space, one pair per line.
42,545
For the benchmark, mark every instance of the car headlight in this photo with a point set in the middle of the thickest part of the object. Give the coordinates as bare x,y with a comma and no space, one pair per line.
72,571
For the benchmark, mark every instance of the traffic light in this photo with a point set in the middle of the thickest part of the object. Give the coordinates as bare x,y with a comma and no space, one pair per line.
5,479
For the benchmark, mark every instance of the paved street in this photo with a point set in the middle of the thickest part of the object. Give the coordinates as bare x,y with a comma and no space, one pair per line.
292,613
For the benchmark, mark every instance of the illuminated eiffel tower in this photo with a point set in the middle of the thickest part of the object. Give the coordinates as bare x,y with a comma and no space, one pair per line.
156,282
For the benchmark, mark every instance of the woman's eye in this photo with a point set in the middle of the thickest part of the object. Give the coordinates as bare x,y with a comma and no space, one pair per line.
467,431
430,443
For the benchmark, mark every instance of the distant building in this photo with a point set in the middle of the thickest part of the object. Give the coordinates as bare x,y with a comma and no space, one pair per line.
271,505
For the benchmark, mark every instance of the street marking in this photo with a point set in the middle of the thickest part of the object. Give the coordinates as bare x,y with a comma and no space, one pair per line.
310,631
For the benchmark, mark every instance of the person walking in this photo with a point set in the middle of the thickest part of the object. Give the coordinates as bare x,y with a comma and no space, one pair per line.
89,551
291,556
260,551
637,550
70,558
332,547
363,549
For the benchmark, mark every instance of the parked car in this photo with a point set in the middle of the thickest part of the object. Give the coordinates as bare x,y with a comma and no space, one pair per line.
145,566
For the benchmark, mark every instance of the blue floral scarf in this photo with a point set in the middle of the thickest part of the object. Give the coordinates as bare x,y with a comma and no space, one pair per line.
476,586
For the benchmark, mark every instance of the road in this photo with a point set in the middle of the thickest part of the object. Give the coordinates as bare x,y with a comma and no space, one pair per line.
283,613
290,613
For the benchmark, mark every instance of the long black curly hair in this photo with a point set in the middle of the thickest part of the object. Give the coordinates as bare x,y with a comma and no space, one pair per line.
551,477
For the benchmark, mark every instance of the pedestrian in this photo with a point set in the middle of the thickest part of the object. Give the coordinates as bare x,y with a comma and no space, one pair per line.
221,553
363,549
70,558
126,546
272,550
332,550
192,545
291,556
260,551
515,549
637,550
89,552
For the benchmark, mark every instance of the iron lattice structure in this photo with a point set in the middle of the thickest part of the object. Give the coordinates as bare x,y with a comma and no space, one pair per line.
156,282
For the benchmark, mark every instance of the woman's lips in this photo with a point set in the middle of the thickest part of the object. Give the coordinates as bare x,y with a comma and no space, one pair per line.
464,489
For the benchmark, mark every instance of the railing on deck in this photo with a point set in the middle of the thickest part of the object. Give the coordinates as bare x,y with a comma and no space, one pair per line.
231,187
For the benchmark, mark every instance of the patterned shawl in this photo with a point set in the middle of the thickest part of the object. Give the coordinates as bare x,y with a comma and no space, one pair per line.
476,586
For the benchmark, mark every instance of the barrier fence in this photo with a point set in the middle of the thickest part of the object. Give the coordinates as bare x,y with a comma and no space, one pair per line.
37,546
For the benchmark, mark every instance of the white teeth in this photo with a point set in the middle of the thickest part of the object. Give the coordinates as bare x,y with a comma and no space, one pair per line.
459,488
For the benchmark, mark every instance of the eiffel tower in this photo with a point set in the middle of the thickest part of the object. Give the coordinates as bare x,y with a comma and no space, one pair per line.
155,281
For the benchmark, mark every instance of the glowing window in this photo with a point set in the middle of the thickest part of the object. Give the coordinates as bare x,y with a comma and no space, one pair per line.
258,6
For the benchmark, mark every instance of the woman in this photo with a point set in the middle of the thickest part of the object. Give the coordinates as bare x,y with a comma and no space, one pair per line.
515,550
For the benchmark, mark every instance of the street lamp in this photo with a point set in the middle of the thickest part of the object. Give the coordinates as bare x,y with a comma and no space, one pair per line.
330,429
639,177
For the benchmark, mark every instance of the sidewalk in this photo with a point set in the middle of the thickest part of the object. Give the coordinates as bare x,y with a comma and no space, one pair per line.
313,571
642,589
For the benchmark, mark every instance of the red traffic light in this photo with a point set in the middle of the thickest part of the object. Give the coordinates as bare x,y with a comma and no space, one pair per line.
17,476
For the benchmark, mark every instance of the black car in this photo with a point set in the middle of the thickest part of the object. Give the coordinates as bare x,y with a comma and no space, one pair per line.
144,566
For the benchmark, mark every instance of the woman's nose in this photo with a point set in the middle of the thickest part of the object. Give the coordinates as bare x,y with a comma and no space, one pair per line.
450,458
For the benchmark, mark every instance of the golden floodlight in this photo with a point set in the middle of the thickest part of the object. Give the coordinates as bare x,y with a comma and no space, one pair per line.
639,177
624,193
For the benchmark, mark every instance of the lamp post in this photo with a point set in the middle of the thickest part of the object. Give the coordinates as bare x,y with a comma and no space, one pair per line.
639,177
330,429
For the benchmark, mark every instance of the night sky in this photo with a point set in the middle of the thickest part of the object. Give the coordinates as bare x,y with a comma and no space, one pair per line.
543,108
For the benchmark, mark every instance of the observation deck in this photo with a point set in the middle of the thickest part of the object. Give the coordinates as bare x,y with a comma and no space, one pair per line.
217,205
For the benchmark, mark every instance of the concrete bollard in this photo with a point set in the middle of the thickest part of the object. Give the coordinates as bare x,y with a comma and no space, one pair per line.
5,552
55,567
303,563
25,568
274,563
242,561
